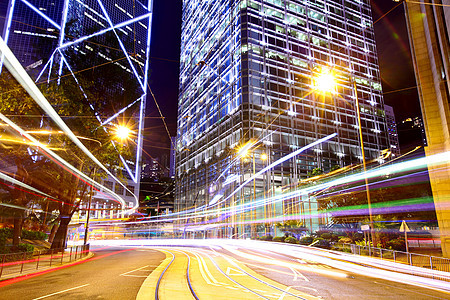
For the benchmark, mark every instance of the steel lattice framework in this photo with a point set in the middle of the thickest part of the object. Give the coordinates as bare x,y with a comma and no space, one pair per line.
43,34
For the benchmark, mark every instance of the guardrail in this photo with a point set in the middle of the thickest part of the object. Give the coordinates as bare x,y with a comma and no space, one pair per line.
23,262
412,259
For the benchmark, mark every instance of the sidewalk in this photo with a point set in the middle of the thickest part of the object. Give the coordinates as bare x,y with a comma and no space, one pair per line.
40,263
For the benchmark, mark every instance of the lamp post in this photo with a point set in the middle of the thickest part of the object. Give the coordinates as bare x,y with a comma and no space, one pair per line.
325,82
361,141
88,212
121,133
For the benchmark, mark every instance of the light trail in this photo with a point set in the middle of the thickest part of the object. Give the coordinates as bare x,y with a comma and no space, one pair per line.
398,168
23,78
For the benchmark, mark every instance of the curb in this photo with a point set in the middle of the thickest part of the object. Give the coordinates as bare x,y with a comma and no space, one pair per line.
45,269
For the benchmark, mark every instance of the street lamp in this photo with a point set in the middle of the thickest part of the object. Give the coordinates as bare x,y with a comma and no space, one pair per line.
121,133
325,82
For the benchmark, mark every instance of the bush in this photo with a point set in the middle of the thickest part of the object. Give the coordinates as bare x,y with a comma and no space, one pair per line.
25,248
266,238
306,240
291,240
322,243
345,240
326,236
397,244
33,235
6,233
278,239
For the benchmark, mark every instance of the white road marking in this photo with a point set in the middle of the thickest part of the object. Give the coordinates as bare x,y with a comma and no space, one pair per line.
297,273
234,272
123,274
202,262
60,292
304,287
284,293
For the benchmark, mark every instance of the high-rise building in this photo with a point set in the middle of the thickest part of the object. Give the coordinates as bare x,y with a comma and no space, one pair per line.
428,23
173,141
247,74
394,145
61,39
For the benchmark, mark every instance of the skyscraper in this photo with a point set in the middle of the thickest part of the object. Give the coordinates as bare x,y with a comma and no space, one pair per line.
428,24
107,42
394,145
247,74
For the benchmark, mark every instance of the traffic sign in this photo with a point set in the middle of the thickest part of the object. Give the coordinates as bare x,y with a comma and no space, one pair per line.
404,227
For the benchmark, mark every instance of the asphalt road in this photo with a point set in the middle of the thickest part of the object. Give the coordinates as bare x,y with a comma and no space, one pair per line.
113,273
311,277
214,273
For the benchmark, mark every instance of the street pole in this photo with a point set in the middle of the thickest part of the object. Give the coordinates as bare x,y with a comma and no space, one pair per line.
253,212
86,227
361,141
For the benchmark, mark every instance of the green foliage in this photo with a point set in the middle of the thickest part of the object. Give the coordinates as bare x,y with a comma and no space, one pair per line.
6,233
266,238
291,240
396,244
345,240
315,172
278,239
33,235
322,243
363,243
326,236
292,227
25,248
306,240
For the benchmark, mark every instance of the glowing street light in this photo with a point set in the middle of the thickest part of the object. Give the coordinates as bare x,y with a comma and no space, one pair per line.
325,81
123,132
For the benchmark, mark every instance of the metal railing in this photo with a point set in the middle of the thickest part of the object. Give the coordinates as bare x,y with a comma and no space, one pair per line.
24,262
408,258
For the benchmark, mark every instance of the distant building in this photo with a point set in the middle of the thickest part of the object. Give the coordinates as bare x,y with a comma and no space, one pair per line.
247,74
428,23
173,141
415,126
152,169
46,36
392,130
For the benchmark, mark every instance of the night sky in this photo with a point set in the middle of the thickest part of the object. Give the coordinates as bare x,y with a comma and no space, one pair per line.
392,46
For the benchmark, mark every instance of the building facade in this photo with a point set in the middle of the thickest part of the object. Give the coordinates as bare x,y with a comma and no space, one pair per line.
247,76
57,40
428,23
394,144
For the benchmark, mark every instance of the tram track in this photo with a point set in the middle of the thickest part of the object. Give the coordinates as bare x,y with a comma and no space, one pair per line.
166,271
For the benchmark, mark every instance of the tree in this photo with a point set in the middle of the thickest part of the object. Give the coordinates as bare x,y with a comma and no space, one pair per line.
18,105
38,170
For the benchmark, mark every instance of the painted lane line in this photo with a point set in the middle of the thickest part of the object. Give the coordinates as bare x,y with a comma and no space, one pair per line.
206,269
234,272
208,272
284,294
123,274
60,292
202,271
297,273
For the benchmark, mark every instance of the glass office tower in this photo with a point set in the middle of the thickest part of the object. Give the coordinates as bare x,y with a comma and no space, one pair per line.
247,74
106,41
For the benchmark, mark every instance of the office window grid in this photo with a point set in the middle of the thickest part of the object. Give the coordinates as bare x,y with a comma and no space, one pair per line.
246,73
